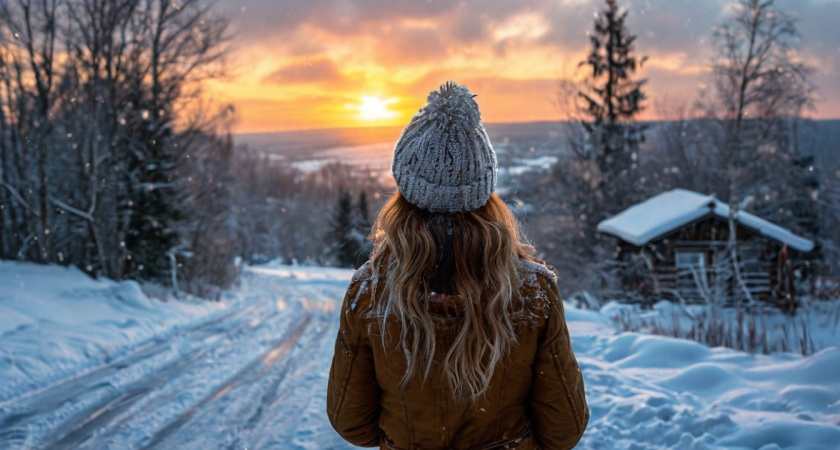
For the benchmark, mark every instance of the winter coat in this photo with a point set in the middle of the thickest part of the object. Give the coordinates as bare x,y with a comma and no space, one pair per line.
535,398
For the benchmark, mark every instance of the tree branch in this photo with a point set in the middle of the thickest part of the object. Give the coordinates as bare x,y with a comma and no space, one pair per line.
20,199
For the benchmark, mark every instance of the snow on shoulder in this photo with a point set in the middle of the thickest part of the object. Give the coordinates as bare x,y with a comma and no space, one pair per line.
530,268
668,211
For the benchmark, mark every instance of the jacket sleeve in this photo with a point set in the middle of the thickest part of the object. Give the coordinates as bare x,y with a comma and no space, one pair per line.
558,403
352,392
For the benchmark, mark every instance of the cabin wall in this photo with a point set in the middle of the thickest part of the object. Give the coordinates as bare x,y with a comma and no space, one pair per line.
713,279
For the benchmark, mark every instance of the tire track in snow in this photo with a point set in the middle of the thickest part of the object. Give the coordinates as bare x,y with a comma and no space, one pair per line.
153,393
280,349
79,402
147,350
88,422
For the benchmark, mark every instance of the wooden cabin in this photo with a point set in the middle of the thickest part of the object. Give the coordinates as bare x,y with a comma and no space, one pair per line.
676,246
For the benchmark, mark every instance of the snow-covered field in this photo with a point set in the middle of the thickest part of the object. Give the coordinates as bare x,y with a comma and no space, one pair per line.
95,364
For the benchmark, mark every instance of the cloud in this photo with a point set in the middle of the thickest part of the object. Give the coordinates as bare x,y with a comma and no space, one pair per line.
409,45
306,71
403,49
266,18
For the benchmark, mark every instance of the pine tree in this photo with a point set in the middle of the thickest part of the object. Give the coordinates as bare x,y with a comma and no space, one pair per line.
344,233
363,226
612,99
364,214
153,212
805,184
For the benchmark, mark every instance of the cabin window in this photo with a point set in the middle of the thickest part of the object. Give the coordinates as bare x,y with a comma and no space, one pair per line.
751,261
688,260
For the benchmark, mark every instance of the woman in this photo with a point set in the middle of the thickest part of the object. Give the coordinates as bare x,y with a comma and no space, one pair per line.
452,335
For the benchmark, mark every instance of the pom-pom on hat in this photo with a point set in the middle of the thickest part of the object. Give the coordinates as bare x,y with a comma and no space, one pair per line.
443,161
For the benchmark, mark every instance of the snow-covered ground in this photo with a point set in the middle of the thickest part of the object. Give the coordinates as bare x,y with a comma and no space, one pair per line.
129,372
56,322
95,364
656,392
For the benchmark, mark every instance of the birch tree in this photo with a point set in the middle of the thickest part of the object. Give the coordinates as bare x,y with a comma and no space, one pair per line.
761,86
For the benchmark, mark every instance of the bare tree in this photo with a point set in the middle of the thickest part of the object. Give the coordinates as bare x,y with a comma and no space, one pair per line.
28,67
100,147
760,85
757,72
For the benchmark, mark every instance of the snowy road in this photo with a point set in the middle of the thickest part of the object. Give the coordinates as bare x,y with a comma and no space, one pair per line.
252,378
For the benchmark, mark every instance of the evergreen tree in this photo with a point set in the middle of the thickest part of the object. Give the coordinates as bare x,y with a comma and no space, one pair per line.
346,241
805,184
364,225
364,214
612,99
153,212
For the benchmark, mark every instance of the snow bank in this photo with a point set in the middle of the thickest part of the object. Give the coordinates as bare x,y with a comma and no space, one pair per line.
657,392
56,322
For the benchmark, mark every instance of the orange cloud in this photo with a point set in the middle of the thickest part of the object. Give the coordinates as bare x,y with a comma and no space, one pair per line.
311,64
306,71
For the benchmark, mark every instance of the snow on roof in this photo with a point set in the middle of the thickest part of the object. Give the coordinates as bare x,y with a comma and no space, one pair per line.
668,211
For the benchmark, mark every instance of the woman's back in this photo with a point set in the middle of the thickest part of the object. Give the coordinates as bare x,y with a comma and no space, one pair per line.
452,335
537,392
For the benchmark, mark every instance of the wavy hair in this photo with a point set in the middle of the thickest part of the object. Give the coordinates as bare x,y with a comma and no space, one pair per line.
485,250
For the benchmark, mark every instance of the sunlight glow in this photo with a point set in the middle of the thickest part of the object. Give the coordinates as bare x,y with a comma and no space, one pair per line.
374,108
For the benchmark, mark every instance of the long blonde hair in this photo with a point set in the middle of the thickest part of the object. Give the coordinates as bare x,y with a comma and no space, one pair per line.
486,248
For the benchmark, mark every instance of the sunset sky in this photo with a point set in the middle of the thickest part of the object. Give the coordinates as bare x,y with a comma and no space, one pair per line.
305,64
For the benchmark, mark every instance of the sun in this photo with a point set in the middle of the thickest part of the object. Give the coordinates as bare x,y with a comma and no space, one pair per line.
375,108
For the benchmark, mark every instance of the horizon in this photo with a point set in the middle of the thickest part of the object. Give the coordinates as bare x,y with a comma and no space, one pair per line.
486,123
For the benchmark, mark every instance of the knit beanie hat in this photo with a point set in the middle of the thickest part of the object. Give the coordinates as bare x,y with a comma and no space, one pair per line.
443,161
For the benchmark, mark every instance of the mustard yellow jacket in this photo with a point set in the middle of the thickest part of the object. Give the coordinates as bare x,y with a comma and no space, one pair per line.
535,398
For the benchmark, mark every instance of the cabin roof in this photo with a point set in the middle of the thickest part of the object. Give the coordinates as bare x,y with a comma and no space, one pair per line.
674,209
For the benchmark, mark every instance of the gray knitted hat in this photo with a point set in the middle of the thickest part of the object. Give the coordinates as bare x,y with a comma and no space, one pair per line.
443,161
